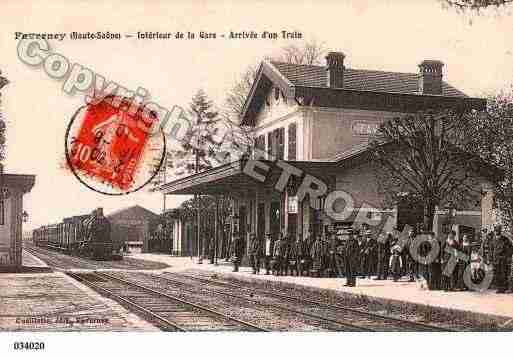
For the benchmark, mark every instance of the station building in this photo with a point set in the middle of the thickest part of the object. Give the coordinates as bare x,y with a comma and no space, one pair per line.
319,120
13,187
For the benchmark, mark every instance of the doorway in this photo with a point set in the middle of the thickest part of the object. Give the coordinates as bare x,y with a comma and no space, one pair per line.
275,219
261,221
409,212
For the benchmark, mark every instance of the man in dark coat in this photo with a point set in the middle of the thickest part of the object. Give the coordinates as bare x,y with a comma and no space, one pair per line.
280,247
383,255
254,251
268,252
369,254
332,256
351,259
434,269
303,256
448,250
360,267
237,250
317,255
293,250
410,264
309,240
503,250
340,251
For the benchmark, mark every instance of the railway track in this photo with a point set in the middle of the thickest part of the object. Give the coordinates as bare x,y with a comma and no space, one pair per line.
295,319
58,260
363,319
62,262
169,312
338,318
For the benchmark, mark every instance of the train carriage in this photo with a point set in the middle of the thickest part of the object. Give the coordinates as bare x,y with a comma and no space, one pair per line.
74,232
76,235
52,232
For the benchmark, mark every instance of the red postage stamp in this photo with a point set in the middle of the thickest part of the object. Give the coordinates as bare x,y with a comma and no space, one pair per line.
109,143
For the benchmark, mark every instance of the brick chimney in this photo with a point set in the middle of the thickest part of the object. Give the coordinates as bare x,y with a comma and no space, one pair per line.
335,69
430,77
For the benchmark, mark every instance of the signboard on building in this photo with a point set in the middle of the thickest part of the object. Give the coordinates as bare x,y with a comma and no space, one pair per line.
336,226
292,205
361,128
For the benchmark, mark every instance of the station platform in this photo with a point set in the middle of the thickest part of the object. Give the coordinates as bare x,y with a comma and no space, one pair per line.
55,302
486,303
31,263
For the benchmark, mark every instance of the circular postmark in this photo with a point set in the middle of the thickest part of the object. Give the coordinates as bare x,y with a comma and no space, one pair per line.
111,149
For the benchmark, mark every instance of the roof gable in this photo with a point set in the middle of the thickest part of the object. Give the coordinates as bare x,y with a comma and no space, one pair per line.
134,212
267,76
307,84
361,80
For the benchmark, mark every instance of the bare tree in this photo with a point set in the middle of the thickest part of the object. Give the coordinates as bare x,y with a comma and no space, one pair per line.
492,138
236,96
475,5
421,156
309,53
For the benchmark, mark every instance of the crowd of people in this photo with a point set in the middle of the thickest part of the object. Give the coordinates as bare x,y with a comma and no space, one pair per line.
442,262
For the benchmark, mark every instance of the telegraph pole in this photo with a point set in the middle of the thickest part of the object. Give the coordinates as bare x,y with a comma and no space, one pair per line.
165,181
198,236
3,82
216,230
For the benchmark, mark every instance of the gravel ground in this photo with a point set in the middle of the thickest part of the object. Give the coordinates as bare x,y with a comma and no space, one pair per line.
53,302
453,319
364,320
263,315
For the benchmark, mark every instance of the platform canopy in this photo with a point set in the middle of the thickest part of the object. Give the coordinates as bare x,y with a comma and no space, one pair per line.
22,182
235,177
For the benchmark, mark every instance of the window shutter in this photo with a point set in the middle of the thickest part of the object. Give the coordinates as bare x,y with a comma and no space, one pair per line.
281,143
260,144
270,143
292,142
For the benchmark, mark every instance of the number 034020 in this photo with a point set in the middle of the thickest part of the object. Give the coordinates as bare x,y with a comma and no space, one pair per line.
29,346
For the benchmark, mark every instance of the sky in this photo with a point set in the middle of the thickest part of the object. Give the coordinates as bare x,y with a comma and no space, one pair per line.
381,35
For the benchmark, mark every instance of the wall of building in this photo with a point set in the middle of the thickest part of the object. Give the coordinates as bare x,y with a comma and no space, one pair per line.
5,234
11,230
360,182
279,114
340,130
274,109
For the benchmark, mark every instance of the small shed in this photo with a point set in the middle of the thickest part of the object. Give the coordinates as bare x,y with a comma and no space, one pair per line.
132,226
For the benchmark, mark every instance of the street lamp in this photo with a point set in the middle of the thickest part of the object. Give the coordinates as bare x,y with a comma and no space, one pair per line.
3,81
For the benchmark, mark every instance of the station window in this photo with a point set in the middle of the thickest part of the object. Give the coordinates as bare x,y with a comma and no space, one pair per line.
280,143
292,142
2,211
270,143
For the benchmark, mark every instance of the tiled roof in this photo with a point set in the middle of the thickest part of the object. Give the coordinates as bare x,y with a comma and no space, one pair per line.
133,211
361,80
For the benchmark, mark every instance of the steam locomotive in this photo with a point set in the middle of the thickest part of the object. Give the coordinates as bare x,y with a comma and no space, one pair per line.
86,236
